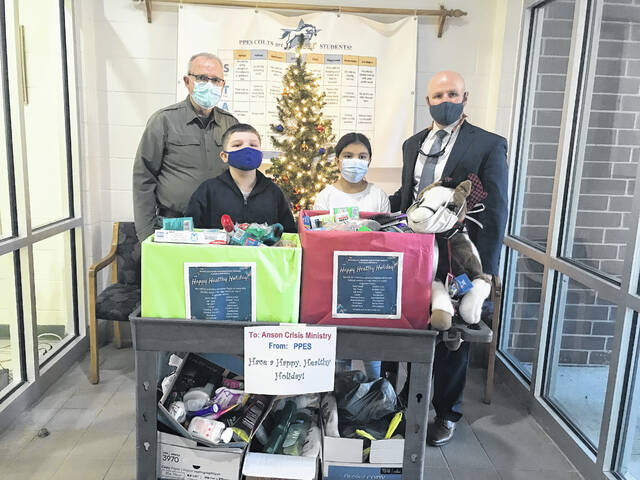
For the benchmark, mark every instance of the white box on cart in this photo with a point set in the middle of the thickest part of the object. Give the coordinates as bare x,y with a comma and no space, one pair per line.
179,459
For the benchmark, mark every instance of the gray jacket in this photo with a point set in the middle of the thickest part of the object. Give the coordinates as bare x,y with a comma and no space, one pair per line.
176,154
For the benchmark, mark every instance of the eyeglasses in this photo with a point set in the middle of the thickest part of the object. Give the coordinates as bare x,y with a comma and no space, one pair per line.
205,78
437,154
450,135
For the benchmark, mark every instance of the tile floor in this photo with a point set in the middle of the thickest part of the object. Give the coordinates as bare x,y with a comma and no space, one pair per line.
93,434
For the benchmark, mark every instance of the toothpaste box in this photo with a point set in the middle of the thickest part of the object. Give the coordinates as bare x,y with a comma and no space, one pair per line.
216,237
342,214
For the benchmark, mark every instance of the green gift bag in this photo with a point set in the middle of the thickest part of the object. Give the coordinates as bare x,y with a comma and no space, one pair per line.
277,276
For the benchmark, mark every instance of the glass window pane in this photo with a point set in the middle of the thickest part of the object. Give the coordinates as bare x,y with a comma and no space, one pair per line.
600,211
5,208
54,292
9,344
521,313
630,459
580,353
44,114
547,72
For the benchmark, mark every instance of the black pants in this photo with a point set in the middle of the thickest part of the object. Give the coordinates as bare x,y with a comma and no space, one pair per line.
448,381
449,378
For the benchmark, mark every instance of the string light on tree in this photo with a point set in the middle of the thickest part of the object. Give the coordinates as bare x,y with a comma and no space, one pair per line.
303,136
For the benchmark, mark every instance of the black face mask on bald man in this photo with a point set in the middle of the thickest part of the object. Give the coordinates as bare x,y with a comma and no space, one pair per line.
446,113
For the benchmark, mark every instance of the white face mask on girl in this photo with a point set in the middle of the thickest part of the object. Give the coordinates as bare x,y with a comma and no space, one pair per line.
354,169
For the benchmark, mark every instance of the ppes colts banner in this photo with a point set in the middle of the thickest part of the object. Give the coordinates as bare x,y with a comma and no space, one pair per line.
366,68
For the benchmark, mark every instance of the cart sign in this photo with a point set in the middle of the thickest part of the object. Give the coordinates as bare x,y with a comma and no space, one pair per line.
289,359
220,291
367,284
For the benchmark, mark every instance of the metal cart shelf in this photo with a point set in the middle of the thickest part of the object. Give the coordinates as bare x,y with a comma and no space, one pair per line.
152,335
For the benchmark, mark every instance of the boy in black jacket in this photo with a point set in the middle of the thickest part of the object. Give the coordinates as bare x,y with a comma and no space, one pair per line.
242,192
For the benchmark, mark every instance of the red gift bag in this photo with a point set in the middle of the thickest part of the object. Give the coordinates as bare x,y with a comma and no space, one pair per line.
317,273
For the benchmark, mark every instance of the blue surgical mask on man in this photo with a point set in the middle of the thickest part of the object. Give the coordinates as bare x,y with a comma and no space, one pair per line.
247,158
206,95
446,113
354,169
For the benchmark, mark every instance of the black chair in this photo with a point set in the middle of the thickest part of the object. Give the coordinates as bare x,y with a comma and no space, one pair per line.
122,297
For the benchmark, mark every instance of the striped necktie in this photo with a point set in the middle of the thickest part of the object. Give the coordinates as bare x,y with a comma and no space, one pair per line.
430,162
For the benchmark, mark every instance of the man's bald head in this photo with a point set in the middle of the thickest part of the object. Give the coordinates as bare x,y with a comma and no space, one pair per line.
446,86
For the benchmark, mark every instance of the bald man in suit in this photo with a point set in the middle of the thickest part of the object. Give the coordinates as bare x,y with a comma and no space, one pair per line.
453,147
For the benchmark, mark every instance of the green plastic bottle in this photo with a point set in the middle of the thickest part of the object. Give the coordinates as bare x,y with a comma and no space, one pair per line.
279,432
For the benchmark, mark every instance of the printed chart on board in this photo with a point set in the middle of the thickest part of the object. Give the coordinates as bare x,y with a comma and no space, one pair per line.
254,83
368,87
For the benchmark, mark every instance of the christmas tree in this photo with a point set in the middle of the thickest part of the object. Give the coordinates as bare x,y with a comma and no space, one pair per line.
303,137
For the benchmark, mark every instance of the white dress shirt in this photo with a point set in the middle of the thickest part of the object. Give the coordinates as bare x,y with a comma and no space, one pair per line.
449,140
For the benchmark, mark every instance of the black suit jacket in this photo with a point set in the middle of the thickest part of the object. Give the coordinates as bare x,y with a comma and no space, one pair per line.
475,151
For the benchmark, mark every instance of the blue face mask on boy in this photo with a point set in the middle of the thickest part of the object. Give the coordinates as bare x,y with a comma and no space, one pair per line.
246,158
354,169
206,95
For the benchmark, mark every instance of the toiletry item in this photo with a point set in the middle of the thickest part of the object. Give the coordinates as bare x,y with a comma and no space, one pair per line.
364,434
213,411
319,221
310,400
206,429
227,397
174,362
239,435
178,411
182,223
267,234
237,237
313,442
248,418
297,433
279,432
233,383
206,411
330,415
257,235
227,223
217,237
196,398
167,382
343,214
227,435
393,425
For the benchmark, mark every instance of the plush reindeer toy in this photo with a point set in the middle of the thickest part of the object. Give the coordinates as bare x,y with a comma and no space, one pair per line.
441,209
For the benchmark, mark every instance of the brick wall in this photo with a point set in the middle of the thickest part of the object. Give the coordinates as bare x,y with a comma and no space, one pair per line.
606,172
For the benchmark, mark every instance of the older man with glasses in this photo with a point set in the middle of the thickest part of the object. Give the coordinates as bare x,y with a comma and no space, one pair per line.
180,147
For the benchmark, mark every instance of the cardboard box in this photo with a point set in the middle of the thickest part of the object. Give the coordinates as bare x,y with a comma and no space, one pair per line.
387,452
349,450
263,466
180,458
365,471
277,277
342,459
205,372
